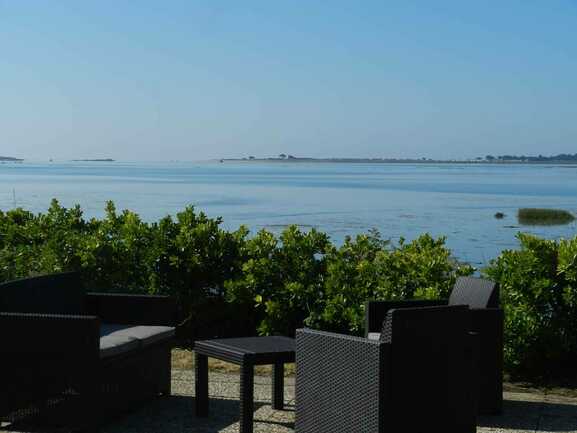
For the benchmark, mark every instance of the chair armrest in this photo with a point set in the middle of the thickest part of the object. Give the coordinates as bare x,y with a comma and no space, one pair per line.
489,324
474,363
128,309
376,311
488,320
22,333
340,381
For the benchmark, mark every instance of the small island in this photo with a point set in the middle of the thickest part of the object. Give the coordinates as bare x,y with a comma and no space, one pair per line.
10,159
94,160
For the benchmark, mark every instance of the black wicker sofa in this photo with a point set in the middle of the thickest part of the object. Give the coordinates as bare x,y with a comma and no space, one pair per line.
77,358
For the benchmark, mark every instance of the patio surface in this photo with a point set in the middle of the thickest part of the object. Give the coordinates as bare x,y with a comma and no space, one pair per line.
524,412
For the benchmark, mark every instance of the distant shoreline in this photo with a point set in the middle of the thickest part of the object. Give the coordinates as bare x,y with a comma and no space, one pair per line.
297,160
399,161
94,160
10,159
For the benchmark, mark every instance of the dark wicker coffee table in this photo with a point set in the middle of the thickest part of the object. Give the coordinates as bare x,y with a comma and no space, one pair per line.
245,352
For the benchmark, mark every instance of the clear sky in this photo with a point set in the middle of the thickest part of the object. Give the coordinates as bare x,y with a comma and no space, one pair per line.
189,80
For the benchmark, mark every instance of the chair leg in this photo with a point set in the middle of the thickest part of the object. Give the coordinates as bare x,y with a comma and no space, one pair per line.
201,384
246,397
278,386
165,375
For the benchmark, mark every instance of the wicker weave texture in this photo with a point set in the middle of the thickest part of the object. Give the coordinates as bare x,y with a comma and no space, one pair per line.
417,378
45,294
431,368
245,352
488,323
338,383
132,309
376,311
486,319
475,292
52,361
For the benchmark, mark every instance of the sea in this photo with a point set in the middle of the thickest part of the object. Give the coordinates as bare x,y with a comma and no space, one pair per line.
458,201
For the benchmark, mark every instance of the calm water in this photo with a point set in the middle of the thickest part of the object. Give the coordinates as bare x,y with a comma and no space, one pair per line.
458,201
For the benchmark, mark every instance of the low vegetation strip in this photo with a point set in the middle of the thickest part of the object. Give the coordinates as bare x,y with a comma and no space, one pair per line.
536,216
230,283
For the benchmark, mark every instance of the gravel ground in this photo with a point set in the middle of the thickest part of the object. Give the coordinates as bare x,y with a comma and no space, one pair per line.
524,412
176,414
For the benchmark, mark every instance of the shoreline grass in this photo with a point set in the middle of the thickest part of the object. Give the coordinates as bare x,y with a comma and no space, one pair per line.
544,217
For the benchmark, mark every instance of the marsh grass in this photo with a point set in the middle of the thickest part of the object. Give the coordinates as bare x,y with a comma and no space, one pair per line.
544,217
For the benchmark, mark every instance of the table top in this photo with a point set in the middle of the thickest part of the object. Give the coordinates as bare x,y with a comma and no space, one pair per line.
258,350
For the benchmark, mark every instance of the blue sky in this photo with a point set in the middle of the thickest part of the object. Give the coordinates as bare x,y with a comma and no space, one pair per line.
189,80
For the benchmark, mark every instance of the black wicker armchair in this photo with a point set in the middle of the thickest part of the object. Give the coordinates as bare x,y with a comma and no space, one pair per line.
419,376
76,358
486,318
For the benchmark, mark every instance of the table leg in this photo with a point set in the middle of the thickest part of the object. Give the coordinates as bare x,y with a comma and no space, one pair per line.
246,397
201,384
278,386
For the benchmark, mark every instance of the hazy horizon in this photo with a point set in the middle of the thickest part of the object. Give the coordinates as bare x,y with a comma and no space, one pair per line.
273,158
157,82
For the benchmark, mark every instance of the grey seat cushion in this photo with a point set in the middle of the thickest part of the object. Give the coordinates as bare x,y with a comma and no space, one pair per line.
118,339
112,345
148,335
374,336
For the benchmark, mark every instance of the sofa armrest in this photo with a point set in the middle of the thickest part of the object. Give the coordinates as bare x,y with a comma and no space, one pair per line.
78,336
376,311
128,309
340,381
43,355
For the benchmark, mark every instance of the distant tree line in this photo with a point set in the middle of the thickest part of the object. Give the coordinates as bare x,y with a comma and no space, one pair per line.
539,158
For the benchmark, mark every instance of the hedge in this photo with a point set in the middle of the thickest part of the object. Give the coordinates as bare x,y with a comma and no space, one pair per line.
236,283
539,295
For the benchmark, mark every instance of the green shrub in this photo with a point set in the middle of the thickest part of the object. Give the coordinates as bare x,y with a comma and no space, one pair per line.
303,279
544,217
189,257
227,282
283,278
277,283
369,268
539,296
